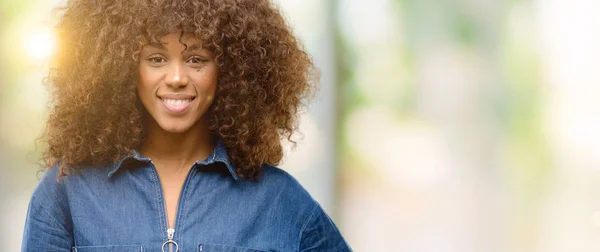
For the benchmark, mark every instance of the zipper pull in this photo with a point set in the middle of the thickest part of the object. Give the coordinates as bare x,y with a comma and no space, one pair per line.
170,234
201,247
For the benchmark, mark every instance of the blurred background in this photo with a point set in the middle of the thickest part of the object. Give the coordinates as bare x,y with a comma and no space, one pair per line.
440,125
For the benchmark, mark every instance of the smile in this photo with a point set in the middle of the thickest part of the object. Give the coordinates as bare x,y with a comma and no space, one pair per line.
177,103
176,106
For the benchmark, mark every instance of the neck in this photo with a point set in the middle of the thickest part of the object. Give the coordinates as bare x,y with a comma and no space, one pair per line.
177,150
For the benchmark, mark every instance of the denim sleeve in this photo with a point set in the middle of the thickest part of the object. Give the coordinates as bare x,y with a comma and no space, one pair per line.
321,234
48,225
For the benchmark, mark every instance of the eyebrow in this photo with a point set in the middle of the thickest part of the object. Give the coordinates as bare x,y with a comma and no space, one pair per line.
193,47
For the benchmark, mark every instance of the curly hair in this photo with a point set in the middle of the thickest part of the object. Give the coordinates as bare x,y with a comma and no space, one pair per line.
96,117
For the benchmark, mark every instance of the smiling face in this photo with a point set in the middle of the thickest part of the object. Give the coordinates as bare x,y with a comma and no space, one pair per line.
177,85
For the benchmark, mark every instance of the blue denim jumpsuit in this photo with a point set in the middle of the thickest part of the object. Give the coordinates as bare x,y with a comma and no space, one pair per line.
120,208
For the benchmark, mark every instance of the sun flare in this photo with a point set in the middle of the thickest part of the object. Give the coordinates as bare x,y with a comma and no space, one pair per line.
39,44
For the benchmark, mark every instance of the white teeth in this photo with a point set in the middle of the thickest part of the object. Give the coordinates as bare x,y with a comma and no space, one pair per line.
177,103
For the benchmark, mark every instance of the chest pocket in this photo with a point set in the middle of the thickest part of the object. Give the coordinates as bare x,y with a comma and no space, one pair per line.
225,248
109,248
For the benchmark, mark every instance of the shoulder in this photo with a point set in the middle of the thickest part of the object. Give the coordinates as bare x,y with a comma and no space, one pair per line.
53,189
50,185
276,179
281,191
277,176
50,198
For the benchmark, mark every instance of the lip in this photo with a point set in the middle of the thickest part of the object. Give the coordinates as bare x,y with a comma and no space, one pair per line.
175,110
176,96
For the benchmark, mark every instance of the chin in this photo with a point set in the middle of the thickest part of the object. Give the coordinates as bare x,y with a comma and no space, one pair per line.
175,126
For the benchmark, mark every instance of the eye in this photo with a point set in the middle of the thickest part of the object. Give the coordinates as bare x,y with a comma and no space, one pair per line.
196,60
156,60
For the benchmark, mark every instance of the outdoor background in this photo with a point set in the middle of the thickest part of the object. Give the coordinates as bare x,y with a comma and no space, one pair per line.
441,125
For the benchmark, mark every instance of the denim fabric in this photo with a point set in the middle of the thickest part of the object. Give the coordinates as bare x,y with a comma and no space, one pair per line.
120,208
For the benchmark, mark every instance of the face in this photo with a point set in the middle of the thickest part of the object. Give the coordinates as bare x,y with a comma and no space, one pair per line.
177,85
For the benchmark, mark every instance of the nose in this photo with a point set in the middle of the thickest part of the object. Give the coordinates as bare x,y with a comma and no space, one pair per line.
176,76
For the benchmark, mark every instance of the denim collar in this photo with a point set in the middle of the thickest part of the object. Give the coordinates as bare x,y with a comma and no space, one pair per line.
219,154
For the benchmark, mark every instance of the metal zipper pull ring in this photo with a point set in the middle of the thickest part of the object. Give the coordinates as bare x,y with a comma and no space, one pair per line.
170,233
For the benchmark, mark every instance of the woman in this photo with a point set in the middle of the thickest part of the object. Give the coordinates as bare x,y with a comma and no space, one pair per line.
165,127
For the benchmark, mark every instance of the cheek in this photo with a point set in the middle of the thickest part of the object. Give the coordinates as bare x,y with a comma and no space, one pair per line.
206,82
213,79
146,87
146,79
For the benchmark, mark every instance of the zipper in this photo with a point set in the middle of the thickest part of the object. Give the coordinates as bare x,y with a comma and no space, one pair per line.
171,231
201,247
170,242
